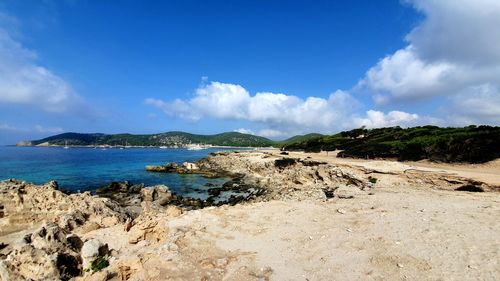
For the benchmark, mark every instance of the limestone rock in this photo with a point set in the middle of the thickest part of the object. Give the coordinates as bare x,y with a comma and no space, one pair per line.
190,166
46,254
91,250
347,191
23,205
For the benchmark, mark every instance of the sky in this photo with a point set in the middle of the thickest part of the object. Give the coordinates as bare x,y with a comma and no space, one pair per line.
266,67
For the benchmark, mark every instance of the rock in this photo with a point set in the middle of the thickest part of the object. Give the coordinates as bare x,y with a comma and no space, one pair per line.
168,168
99,276
74,242
93,249
128,224
24,205
173,211
26,264
53,184
285,162
46,255
72,220
135,235
347,191
89,226
147,226
159,193
50,238
109,221
119,186
190,166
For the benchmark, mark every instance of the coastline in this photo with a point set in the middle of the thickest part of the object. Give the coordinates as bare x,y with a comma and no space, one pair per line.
323,217
140,146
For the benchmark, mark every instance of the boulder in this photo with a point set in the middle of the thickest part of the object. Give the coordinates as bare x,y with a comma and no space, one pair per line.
190,166
93,249
158,193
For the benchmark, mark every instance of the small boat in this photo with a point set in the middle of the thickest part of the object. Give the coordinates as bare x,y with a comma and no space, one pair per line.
66,145
163,147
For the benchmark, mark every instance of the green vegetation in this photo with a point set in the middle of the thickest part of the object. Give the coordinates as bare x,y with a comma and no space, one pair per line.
163,139
473,144
298,139
372,180
99,264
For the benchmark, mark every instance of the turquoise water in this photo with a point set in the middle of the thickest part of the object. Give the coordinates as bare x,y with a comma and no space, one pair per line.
82,169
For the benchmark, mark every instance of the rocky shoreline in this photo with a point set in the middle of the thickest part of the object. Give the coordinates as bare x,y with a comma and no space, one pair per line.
129,232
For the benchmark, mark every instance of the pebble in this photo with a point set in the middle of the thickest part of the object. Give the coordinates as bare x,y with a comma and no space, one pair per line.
341,211
400,265
349,230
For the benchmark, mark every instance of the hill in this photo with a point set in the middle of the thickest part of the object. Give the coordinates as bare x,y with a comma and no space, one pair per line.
473,144
299,139
163,139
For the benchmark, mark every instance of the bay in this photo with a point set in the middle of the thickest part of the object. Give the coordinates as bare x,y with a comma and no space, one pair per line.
86,169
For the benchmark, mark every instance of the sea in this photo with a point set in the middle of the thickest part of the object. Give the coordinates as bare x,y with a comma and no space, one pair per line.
80,169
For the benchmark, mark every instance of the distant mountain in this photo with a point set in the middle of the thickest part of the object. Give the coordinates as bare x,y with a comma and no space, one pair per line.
473,144
162,139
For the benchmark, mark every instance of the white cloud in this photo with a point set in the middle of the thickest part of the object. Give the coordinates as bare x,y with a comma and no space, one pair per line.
453,52
53,130
479,104
377,119
273,134
24,82
245,131
275,110
461,31
404,75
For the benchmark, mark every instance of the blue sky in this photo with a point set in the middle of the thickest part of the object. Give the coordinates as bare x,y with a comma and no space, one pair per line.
272,68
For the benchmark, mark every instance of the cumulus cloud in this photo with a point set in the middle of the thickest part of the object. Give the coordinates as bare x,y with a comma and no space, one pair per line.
377,119
24,82
279,114
454,52
478,104
275,110
245,131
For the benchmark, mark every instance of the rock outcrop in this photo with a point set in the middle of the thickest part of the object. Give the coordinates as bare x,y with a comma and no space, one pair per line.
286,177
49,253
25,205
